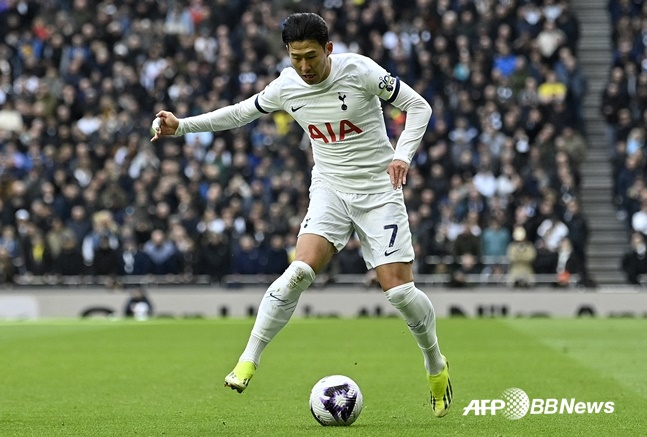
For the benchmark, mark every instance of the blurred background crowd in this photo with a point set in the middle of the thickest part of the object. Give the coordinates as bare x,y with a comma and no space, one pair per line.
624,108
493,189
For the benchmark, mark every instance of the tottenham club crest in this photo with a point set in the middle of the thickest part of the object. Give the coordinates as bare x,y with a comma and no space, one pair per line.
342,97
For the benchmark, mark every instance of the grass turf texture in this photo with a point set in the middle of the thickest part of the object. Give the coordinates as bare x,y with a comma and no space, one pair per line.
164,377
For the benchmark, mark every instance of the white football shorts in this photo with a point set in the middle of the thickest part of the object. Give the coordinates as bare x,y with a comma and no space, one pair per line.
380,221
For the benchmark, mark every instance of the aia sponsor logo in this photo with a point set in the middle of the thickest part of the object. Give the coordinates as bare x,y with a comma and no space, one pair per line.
329,133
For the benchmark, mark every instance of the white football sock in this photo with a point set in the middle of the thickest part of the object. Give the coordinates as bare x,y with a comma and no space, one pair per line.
276,308
418,312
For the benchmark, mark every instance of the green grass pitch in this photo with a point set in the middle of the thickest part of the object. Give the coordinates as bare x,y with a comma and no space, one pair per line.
164,377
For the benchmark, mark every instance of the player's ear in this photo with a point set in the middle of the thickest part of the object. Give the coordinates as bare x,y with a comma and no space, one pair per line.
328,48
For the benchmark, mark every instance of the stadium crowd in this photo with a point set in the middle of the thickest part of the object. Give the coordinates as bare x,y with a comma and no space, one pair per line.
493,189
624,108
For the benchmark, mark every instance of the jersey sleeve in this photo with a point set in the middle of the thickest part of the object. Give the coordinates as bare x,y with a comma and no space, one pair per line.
379,82
237,115
392,90
416,123
225,118
269,100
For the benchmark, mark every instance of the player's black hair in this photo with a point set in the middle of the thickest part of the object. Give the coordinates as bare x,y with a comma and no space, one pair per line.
304,26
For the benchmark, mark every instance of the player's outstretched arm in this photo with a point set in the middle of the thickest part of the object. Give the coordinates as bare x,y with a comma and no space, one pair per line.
165,124
225,118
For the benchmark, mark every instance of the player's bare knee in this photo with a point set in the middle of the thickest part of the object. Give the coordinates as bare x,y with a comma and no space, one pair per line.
393,275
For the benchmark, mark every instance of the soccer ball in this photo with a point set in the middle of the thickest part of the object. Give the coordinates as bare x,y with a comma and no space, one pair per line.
336,400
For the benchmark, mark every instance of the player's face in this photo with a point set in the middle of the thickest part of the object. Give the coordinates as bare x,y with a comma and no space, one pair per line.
310,60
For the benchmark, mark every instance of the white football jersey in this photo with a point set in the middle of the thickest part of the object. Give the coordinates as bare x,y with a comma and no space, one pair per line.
342,116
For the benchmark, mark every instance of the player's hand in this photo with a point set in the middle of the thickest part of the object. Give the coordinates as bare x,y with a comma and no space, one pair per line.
397,171
164,125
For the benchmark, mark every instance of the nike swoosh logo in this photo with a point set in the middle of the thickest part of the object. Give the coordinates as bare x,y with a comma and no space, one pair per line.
277,298
296,108
387,253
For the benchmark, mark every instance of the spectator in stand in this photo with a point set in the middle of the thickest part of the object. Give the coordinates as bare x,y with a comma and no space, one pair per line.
572,142
11,119
215,256
70,259
549,40
79,223
465,266
54,237
528,96
485,181
276,255
549,234
565,179
495,240
636,141
552,9
628,185
161,215
38,259
163,254
613,100
634,261
551,91
625,125
468,242
24,229
246,258
578,229
103,226
639,218
463,135
568,72
10,243
106,258
568,265
278,222
505,61
350,260
133,261
508,183
7,269
521,255
641,89
570,25
437,244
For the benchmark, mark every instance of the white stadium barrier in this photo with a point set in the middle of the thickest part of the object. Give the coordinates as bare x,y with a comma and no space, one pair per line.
338,301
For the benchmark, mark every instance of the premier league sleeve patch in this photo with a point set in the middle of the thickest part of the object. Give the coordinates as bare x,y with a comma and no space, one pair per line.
389,85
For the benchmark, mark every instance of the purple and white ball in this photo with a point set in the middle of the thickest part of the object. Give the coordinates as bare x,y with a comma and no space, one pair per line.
336,400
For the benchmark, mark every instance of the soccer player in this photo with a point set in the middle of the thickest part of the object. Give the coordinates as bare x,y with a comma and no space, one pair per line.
356,185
